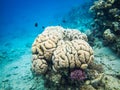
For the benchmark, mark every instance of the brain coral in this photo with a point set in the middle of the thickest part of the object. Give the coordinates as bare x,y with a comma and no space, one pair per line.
58,48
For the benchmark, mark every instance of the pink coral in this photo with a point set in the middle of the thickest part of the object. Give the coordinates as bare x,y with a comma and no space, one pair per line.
77,75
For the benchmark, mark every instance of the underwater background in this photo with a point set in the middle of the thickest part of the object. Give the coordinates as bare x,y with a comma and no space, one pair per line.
20,23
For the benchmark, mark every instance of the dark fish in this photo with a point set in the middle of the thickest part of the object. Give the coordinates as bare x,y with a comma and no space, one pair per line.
43,27
64,21
36,24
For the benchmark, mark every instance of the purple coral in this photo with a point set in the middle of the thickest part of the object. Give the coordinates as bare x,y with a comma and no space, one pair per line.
77,75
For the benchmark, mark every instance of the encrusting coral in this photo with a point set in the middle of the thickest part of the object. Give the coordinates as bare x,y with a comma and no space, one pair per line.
59,48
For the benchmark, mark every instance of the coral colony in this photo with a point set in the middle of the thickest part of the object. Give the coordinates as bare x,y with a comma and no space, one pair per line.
57,52
64,48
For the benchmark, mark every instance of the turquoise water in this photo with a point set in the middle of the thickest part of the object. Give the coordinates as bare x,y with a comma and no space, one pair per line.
18,31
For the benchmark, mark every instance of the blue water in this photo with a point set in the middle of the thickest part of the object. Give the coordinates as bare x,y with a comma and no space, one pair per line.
18,31
17,15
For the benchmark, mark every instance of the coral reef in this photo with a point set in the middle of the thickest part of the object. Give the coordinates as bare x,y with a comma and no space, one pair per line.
107,22
65,61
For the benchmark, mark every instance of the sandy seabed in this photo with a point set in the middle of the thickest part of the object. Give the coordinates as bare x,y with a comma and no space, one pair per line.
15,73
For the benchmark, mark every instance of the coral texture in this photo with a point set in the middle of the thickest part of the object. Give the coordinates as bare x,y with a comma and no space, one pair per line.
107,21
71,54
77,75
87,87
111,83
109,36
58,48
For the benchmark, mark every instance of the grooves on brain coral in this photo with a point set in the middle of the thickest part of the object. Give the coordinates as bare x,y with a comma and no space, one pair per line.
57,48
63,58
107,22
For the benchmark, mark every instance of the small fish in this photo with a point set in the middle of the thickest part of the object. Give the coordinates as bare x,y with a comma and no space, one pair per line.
36,24
43,27
64,21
